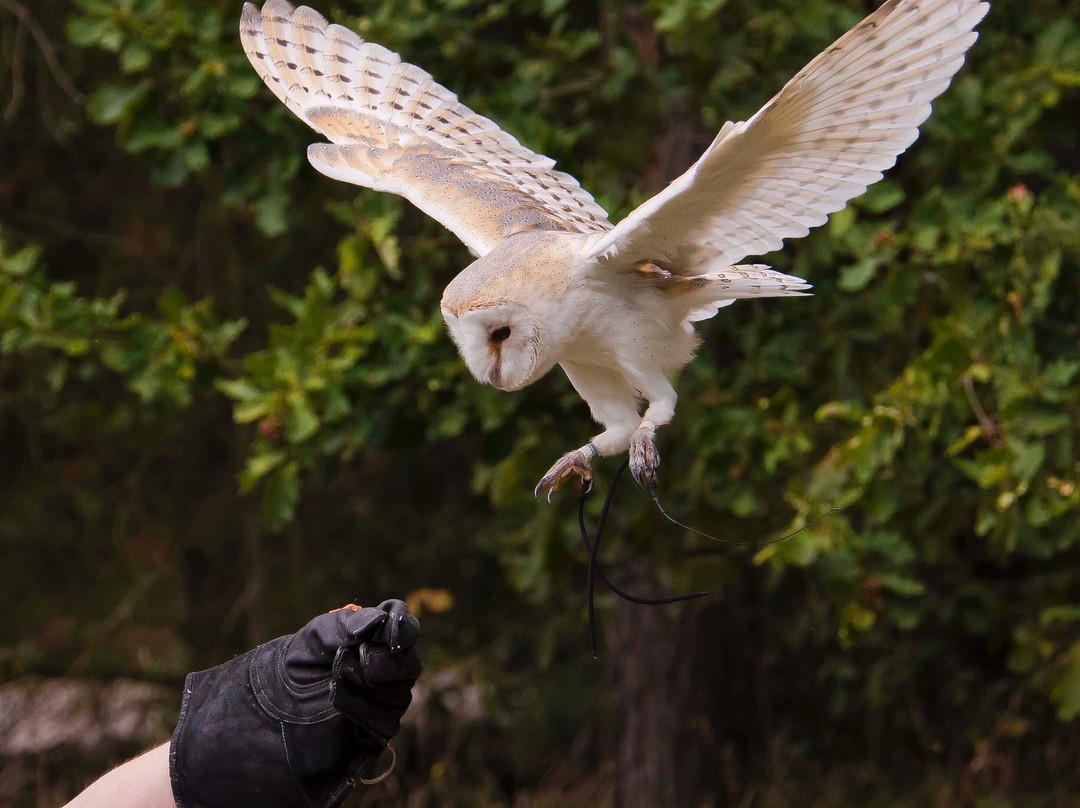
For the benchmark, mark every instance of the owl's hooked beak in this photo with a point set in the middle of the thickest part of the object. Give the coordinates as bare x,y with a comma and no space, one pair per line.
494,376
496,380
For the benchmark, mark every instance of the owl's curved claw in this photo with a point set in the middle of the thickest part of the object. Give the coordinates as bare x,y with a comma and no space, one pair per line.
644,458
575,462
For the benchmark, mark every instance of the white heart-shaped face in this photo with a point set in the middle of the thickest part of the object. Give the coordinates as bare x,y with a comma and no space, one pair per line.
501,343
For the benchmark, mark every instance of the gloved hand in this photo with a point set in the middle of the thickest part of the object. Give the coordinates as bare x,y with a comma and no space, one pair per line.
299,720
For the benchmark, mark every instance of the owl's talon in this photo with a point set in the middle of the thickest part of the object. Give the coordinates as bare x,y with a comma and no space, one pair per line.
575,462
644,458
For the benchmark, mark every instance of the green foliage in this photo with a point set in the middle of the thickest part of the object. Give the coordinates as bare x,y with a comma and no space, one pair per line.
245,473
65,335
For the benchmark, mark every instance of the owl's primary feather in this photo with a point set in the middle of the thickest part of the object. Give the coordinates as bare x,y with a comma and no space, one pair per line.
393,128
555,282
821,141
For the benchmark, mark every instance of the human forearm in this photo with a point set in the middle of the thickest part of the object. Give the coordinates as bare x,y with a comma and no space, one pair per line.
297,721
142,782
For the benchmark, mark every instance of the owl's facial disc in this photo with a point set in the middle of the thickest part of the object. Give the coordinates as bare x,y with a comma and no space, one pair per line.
499,343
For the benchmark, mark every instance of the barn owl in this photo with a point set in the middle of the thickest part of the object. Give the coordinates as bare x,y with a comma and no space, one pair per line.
554,281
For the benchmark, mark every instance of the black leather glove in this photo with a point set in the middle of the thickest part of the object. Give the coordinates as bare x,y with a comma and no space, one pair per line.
299,720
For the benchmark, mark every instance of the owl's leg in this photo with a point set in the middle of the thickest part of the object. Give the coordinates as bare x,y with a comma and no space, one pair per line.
644,457
613,403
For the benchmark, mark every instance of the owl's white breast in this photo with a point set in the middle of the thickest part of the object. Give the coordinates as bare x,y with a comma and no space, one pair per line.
626,323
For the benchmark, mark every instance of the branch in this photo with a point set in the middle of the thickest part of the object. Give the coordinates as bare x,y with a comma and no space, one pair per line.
992,430
18,84
48,52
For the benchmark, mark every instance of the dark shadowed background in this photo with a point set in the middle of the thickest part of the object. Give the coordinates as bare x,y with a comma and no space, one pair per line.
227,403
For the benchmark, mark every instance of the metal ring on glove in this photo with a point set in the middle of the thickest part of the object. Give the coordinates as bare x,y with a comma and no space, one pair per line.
385,774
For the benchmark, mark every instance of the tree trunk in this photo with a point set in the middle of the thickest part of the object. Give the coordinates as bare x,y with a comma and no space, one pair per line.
644,655
692,706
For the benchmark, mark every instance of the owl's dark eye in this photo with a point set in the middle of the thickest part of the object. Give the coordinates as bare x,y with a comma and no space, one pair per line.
500,334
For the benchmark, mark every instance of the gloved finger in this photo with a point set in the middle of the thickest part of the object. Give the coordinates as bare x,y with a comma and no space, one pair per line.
363,624
381,665
402,629
379,719
372,665
344,625
310,650
393,696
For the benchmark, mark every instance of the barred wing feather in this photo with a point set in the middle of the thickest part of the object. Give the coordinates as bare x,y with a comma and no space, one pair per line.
392,128
826,137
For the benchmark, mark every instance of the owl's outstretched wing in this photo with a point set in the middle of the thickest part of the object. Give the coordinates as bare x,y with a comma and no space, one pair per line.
818,143
392,128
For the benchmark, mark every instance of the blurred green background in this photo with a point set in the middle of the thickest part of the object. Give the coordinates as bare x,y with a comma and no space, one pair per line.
227,403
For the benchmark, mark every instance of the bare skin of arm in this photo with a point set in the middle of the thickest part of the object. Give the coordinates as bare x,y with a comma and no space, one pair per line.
142,782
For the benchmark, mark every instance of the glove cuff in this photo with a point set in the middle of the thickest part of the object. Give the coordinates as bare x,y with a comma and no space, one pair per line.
233,744
175,744
226,750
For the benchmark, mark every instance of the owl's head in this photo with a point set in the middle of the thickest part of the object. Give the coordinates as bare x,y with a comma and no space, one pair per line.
500,342
506,311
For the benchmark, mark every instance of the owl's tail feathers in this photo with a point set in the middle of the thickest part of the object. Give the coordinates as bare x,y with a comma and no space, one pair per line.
704,295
